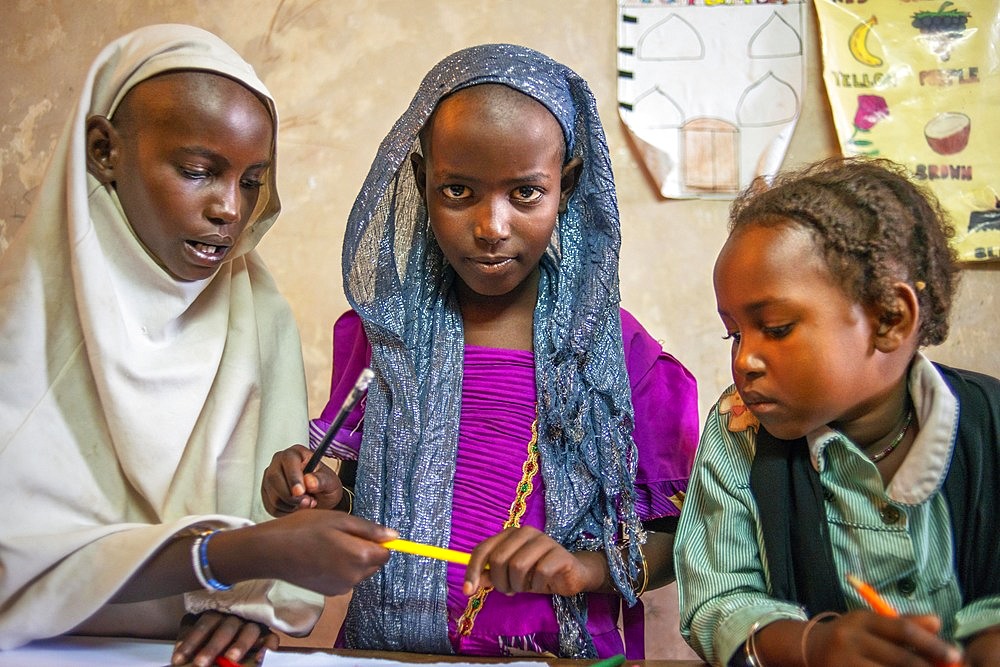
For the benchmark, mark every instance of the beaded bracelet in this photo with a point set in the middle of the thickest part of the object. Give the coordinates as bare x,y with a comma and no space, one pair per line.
199,560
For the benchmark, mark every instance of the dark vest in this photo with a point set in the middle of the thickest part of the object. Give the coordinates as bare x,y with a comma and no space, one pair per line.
796,535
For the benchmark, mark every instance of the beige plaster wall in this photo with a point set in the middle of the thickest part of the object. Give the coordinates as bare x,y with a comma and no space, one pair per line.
342,71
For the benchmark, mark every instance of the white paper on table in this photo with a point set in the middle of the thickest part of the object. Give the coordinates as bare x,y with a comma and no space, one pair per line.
710,91
69,651
80,651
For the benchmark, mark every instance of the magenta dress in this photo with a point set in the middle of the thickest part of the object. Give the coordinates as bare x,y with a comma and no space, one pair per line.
498,408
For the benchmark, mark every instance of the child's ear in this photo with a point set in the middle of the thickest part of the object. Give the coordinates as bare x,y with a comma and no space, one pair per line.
569,178
419,174
102,149
899,326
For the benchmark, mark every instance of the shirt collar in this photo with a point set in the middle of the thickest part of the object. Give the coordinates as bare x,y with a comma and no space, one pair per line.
936,411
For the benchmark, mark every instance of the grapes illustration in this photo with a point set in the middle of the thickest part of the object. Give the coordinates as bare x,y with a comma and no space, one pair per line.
939,28
942,20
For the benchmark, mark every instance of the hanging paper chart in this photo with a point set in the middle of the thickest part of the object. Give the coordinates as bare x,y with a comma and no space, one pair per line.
710,91
919,83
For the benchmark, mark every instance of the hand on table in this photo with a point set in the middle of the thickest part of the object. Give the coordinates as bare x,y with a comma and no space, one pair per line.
205,637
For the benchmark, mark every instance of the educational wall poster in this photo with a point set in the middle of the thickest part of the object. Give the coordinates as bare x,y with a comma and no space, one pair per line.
918,81
710,90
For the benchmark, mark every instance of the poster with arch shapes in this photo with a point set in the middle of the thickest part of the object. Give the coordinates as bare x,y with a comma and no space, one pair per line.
710,90
918,82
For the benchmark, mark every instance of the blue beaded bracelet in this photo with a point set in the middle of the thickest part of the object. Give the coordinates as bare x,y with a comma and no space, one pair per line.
199,559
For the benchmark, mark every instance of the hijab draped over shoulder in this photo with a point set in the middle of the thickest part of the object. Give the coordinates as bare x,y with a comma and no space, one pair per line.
397,279
133,406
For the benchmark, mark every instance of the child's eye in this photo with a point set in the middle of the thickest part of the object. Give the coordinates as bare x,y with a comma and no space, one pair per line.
779,331
456,192
733,336
194,173
527,194
251,184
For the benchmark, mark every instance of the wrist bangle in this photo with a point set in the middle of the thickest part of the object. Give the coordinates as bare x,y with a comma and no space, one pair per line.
822,616
750,646
751,658
350,500
639,590
199,560
639,586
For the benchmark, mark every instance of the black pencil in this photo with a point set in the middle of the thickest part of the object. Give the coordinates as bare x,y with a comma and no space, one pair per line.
360,387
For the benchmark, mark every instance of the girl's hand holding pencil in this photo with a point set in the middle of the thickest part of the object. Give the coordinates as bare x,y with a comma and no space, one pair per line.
880,606
286,488
864,637
296,479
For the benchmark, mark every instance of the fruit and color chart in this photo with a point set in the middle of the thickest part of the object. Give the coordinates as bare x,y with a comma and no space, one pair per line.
918,81
710,90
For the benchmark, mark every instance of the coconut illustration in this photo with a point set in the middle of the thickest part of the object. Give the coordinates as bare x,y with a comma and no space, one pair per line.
948,133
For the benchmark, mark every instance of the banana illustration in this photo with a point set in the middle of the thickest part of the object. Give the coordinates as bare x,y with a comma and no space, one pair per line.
858,43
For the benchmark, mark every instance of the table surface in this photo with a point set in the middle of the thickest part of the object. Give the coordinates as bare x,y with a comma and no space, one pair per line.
81,651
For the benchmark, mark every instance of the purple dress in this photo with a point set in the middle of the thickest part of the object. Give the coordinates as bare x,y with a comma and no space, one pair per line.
498,408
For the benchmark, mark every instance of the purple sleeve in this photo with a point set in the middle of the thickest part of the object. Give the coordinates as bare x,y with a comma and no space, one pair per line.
665,399
351,354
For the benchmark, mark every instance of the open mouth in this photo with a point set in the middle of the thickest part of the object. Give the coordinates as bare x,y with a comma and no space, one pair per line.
206,255
207,250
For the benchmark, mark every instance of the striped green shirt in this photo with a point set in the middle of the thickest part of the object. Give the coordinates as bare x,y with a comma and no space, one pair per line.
896,537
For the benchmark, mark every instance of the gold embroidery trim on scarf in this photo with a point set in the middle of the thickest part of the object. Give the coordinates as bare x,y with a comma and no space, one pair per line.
517,509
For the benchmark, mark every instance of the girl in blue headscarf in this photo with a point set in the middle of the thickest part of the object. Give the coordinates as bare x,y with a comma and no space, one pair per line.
481,263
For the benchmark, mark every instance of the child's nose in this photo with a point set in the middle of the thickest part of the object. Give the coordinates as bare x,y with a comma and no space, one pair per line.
226,205
492,222
746,361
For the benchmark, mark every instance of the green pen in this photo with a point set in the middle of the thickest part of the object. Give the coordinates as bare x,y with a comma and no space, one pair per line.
613,661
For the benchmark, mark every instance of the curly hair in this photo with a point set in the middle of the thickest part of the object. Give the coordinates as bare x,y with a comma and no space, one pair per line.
874,226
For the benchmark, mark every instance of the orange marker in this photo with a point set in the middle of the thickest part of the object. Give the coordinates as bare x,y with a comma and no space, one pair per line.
880,606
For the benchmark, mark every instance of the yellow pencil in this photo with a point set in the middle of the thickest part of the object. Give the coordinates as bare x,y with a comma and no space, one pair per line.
419,549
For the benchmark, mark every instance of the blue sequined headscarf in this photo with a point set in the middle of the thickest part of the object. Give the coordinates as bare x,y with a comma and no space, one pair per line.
397,279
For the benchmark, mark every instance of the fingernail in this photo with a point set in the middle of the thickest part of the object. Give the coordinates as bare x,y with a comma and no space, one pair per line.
954,658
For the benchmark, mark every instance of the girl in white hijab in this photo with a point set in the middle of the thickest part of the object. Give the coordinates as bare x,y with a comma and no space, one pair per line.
150,368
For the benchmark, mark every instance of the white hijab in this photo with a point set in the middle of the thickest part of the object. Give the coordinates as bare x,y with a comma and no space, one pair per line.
133,405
